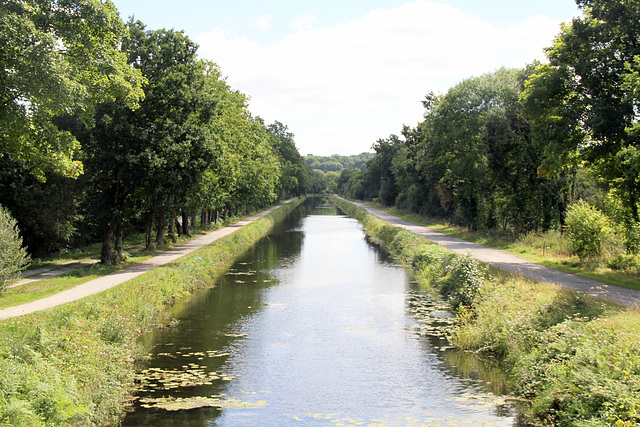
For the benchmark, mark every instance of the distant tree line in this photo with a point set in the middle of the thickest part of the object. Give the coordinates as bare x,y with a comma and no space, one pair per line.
514,148
338,163
107,128
327,169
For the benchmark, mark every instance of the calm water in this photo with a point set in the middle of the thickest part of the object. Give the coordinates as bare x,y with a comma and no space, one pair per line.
314,326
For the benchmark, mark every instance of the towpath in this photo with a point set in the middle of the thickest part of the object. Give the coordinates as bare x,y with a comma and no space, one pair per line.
109,281
512,263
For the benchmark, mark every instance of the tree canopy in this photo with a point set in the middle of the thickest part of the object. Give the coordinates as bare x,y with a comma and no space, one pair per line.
58,57
512,149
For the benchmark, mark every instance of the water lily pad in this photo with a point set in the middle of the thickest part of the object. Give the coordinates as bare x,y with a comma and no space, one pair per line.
183,404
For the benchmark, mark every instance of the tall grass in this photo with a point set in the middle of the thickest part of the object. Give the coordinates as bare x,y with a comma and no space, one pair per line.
574,359
74,364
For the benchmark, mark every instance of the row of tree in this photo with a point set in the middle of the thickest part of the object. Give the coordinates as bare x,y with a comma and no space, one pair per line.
513,148
337,162
107,127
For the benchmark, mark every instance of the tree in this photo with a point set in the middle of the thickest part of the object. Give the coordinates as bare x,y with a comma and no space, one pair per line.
584,104
295,174
145,161
58,57
13,257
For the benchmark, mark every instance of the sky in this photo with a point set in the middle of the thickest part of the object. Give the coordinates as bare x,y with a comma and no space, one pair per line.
343,74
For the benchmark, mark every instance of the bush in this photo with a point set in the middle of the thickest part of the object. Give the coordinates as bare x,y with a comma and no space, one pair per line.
463,281
587,229
628,263
13,257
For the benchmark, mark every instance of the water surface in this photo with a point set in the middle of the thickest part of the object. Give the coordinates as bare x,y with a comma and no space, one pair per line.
314,326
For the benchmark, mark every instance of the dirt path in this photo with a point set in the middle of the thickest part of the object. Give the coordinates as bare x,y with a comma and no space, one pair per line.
109,281
509,262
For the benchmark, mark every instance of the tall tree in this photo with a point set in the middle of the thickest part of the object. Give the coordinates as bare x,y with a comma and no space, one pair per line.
146,160
295,174
58,57
584,103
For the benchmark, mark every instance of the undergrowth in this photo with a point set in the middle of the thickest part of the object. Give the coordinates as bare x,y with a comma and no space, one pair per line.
574,359
74,364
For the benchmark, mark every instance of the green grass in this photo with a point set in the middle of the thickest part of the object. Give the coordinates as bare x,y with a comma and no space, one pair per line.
33,291
550,249
74,364
573,360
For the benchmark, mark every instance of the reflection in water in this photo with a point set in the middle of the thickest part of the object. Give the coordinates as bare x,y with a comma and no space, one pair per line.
313,326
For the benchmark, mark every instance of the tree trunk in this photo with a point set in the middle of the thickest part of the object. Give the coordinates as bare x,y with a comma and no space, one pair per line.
172,229
118,237
106,255
150,228
185,224
160,234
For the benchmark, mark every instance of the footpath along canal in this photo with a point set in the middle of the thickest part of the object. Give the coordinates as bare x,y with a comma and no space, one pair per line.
314,326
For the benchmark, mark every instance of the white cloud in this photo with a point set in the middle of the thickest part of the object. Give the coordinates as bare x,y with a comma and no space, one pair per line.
341,88
263,22
303,22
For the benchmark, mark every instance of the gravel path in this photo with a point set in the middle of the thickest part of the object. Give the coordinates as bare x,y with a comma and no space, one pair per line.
509,262
109,281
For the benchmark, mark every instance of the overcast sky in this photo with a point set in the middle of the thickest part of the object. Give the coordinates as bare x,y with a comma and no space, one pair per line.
342,74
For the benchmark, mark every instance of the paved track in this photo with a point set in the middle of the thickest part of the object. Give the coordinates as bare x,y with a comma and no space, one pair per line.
109,281
509,262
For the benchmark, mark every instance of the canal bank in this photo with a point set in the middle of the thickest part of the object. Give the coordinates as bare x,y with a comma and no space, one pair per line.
74,364
572,358
314,326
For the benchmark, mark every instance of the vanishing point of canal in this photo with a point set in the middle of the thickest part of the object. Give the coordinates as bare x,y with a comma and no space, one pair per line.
314,326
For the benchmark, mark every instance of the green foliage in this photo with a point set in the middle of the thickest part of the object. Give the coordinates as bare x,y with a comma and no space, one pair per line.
463,281
13,256
74,364
628,263
58,57
587,229
573,357
338,163
471,160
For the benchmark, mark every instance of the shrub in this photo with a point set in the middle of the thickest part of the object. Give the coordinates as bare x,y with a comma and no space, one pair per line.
13,257
587,229
629,263
463,281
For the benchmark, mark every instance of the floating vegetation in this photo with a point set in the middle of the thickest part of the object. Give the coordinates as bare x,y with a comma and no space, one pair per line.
487,400
241,273
198,354
183,404
432,315
388,421
191,375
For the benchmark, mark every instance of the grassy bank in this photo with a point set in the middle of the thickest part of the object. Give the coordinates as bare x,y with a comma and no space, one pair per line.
74,364
574,360
550,248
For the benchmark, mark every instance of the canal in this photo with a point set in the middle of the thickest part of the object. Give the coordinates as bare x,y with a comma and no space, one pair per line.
314,326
